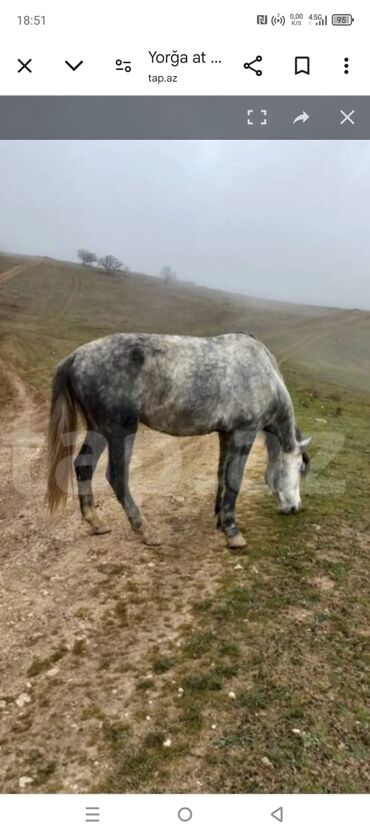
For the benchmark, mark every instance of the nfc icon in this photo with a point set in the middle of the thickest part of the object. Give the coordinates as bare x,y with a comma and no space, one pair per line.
262,19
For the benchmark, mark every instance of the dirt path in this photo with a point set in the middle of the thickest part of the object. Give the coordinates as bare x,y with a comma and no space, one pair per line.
8,274
81,616
317,335
18,269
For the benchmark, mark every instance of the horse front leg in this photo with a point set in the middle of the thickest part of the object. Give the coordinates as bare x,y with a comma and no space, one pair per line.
239,446
120,449
223,438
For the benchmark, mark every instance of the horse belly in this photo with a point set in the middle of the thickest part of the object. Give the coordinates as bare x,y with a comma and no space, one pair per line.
184,417
189,394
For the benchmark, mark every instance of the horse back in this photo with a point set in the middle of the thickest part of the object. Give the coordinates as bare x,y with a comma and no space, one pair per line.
177,384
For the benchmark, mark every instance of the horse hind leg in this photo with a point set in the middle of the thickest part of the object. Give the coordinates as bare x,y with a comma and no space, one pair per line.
120,449
85,464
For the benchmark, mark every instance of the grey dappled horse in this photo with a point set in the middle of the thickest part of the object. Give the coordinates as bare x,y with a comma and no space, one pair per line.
180,385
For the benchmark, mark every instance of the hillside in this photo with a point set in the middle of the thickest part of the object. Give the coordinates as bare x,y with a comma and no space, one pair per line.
48,307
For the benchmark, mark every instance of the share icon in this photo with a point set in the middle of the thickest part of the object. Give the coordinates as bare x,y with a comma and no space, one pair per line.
249,65
303,117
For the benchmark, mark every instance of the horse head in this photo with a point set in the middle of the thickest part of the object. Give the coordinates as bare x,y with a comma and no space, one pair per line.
284,470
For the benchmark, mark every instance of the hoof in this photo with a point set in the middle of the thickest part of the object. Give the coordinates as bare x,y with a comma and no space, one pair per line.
236,541
100,529
149,535
151,538
96,524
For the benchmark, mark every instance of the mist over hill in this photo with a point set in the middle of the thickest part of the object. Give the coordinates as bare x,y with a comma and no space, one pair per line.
48,307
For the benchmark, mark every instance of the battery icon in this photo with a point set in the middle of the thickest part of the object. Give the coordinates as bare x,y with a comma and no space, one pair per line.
342,20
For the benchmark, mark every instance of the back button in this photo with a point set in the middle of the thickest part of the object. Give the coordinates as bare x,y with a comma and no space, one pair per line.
278,814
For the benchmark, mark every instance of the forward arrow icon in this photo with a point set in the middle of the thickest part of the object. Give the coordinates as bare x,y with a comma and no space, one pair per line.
73,68
301,118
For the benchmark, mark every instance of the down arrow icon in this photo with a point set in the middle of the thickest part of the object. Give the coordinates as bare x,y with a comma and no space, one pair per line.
73,68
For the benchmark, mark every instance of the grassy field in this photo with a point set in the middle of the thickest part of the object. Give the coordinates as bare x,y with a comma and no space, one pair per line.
267,687
269,690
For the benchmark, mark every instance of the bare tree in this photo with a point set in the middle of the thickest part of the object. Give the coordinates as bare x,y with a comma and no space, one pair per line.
168,274
110,264
87,257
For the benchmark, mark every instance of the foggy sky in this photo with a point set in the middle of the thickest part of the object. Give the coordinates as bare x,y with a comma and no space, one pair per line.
279,220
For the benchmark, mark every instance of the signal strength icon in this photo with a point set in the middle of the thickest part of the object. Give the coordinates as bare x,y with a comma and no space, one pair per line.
322,21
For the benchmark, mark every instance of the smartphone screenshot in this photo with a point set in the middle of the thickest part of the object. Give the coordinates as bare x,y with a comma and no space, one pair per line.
184,418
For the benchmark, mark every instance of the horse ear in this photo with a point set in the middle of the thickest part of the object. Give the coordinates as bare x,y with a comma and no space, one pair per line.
305,456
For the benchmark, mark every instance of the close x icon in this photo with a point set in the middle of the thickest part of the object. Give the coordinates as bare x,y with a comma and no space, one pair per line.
24,65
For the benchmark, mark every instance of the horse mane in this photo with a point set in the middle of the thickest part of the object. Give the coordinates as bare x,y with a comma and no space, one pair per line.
272,444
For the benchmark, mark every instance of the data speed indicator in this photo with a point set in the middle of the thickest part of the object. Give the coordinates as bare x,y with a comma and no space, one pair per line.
318,19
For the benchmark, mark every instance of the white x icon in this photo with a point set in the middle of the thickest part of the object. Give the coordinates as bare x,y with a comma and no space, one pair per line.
347,117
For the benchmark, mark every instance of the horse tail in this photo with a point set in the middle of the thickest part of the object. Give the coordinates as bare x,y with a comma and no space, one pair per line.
61,435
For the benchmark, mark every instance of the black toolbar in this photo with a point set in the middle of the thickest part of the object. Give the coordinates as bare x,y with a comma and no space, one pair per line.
185,117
